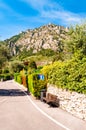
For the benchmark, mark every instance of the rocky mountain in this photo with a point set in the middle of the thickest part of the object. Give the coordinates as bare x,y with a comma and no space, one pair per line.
45,37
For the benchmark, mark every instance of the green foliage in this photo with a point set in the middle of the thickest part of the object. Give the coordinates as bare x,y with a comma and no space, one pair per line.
6,76
77,39
36,85
14,38
46,52
16,66
5,70
18,78
38,70
15,76
25,53
30,84
70,75
4,54
58,56
46,69
32,65
0,71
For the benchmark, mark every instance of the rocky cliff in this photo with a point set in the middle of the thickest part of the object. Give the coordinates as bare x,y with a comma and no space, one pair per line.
45,37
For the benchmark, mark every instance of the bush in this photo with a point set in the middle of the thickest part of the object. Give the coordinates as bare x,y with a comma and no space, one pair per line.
46,52
5,70
1,77
5,77
36,85
15,76
32,64
0,71
24,80
18,78
68,75
16,66
23,74
30,83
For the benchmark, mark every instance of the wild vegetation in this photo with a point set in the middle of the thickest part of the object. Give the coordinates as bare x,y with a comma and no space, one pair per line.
64,67
71,74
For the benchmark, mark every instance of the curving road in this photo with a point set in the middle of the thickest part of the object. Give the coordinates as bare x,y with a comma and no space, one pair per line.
19,111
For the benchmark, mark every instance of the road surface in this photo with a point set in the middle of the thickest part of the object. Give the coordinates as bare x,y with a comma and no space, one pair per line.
20,111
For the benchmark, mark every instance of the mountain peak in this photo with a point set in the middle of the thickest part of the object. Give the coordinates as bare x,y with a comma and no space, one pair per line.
49,36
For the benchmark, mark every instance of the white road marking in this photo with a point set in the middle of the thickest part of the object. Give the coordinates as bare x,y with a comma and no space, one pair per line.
45,114
56,122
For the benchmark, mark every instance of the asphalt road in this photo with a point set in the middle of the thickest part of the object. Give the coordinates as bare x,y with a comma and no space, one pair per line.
19,111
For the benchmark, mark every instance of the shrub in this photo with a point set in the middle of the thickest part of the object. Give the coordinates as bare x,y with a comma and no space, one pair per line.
46,52
0,71
24,80
1,76
30,83
16,66
18,78
68,75
15,76
35,84
5,70
5,77
23,74
32,64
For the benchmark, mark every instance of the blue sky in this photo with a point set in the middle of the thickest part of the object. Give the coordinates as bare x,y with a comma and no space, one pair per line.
20,15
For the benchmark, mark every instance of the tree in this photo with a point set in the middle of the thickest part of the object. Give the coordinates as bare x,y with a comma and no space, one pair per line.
16,66
4,54
32,64
77,39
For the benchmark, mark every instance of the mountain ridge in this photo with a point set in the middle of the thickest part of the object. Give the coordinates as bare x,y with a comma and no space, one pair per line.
45,37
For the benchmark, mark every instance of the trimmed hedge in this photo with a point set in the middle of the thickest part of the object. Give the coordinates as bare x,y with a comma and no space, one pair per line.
36,85
18,78
22,79
32,82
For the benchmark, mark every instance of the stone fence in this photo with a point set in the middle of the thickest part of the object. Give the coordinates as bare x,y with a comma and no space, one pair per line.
72,102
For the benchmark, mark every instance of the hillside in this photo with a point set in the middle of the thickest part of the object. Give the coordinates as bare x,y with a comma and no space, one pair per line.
45,37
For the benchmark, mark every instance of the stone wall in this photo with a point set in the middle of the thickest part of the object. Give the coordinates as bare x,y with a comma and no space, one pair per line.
72,102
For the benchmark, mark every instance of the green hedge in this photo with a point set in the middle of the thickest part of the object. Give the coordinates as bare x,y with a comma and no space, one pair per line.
30,84
4,77
36,85
17,78
69,75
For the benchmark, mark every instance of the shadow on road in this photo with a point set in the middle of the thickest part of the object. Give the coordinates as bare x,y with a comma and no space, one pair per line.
12,92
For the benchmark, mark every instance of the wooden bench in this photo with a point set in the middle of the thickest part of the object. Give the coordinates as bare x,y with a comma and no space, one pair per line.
51,99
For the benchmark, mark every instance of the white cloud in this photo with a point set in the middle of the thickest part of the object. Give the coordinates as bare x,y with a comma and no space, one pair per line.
64,16
48,11
53,11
